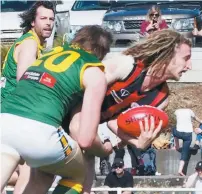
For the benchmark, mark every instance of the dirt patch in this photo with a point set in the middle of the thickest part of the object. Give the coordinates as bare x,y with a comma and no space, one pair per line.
184,95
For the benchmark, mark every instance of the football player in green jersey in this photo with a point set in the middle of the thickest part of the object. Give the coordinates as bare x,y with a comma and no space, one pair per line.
37,24
46,92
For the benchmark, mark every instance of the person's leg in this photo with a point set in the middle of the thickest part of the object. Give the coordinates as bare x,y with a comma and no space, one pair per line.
135,154
10,158
181,167
13,180
176,143
197,143
73,167
23,178
177,136
66,186
187,138
90,174
39,182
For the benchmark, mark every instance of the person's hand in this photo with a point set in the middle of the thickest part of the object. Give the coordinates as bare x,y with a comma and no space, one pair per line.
150,27
195,32
148,132
108,147
156,25
198,130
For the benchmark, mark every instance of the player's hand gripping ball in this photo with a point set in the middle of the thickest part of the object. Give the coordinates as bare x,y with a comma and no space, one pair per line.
128,121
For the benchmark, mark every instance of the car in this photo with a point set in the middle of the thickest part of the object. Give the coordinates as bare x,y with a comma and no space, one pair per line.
80,13
124,18
10,22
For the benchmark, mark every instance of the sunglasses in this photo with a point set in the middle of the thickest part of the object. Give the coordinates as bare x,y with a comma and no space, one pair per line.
118,166
153,14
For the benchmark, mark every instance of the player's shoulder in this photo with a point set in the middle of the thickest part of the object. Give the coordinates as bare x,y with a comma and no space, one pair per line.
29,44
119,59
30,41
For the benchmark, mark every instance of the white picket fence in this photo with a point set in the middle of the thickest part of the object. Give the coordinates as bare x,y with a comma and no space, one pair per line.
135,189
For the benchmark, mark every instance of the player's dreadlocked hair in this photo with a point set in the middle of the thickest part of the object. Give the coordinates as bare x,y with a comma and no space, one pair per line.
29,16
158,49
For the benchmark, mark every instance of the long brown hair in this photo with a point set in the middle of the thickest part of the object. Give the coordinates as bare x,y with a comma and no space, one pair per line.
158,49
29,16
94,39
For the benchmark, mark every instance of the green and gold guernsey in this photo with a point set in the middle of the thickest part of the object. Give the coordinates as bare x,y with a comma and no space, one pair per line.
52,86
8,79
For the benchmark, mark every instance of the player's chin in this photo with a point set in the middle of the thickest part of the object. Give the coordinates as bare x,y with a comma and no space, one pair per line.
46,34
176,77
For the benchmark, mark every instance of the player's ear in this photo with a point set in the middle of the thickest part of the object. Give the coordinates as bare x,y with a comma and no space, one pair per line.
32,23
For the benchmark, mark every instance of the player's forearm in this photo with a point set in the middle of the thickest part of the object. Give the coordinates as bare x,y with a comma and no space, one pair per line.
98,149
95,88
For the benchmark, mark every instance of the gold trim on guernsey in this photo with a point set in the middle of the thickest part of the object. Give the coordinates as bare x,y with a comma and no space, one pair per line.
40,47
65,143
89,65
76,186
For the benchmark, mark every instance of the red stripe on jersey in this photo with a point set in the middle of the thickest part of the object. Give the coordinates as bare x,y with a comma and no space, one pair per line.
124,83
161,95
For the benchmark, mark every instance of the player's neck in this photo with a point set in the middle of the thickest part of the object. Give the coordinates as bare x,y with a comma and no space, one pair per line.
150,82
41,39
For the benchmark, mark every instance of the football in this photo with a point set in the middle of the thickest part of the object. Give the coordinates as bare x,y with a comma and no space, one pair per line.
128,121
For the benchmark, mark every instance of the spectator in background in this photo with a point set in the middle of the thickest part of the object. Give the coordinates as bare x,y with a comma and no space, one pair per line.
119,177
197,31
195,180
183,130
153,21
198,142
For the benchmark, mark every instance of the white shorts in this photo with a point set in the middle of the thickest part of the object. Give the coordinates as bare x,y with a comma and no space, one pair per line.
37,143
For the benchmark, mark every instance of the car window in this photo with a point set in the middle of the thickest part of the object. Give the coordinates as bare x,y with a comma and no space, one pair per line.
90,5
15,6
